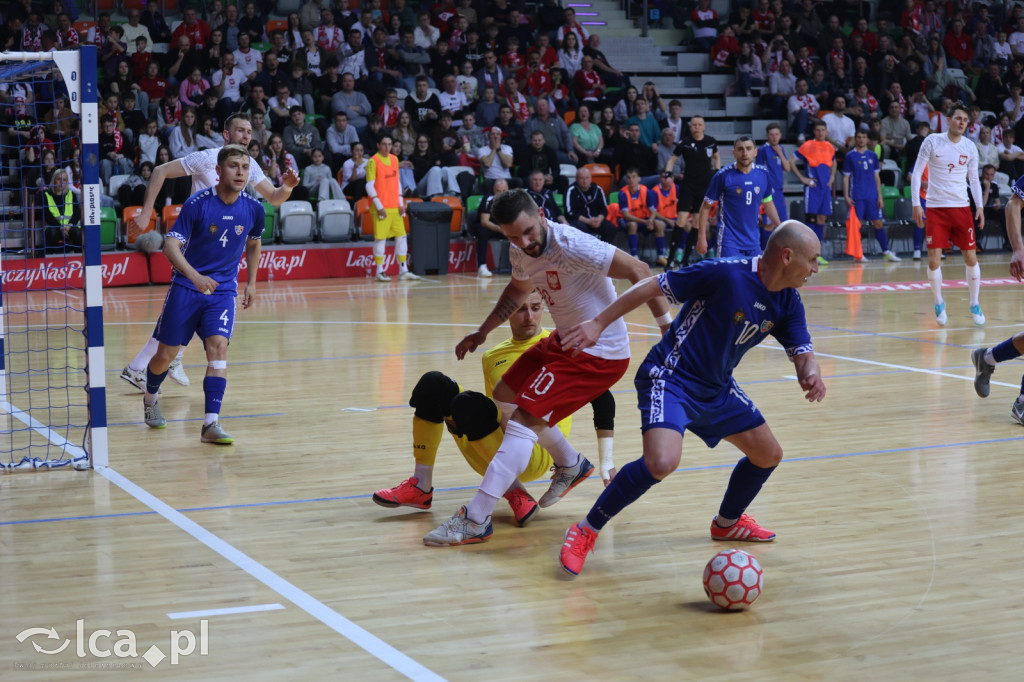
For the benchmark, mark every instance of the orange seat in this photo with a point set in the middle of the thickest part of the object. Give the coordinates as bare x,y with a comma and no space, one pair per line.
364,216
276,25
601,176
169,216
83,28
456,205
131,232
569,117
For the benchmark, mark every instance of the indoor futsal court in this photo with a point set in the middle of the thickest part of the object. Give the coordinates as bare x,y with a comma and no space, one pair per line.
898,554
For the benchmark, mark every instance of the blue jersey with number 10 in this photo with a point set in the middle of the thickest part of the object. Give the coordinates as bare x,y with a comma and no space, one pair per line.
213,236
739,197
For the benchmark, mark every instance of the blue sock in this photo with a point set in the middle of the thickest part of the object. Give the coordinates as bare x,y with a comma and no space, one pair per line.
744,485
764,238
634,244
659,242
819,230
918,237
153,381
632,481
883,239
214,388
1005,351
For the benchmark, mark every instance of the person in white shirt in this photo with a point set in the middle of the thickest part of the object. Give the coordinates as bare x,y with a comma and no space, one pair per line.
840,126
1014,104
248,60
133,29
988,153
228,82
496,159
425,35
452,99
802,107
952,162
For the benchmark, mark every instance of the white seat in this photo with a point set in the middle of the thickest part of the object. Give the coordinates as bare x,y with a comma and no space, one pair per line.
115,184
569,171
889,164
1002,179
402,94
958,74
335,219
175,24
161,48
296,222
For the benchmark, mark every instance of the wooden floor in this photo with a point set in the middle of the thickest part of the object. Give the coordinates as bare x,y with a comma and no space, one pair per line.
899,555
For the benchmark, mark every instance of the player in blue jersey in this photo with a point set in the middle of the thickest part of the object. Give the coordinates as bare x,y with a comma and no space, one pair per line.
772,156
213,229
819,157
740,190
862,187
685,382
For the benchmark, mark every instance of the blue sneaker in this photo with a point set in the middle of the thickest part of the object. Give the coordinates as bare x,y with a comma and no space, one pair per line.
940,314
979,317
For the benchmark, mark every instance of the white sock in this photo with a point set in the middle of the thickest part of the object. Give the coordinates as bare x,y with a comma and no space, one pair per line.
141,360
509,461
974,282
553,440
425,475
211,418
181,352
149,398
481,506
935,279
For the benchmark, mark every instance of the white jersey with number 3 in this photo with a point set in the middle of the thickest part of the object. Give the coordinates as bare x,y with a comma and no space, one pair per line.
571,275
951,169
202,166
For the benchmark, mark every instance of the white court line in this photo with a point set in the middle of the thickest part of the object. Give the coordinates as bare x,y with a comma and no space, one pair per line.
42,429
178,615
332,619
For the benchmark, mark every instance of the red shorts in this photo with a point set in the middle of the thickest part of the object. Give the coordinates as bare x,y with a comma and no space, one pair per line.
550,384
944,225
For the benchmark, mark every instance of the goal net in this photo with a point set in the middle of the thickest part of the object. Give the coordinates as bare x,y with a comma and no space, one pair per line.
52,384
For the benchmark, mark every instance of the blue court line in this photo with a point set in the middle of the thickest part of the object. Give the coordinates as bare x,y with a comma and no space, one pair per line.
708,467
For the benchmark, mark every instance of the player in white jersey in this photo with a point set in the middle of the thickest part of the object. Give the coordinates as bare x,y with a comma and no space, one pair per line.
202,166
952,162
572,271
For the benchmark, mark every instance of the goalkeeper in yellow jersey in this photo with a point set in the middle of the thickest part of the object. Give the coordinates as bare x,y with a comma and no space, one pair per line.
474,420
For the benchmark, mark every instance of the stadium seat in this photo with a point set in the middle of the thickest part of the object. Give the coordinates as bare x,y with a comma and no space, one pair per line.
286,7
569,117
115,184
613,198
601,175
297,222
269,222
363,218
560,200
169,216
889,196
108,228
568,171
456,205
276,25
83,28
334,217
131,234
796,210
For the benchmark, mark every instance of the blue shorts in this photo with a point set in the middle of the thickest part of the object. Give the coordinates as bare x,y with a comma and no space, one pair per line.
668,405
727,250
867,210
818,200
187,312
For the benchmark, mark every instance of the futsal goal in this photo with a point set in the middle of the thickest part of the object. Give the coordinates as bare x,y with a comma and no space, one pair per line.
52,368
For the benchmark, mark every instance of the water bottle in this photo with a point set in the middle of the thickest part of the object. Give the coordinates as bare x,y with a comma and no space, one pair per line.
270,275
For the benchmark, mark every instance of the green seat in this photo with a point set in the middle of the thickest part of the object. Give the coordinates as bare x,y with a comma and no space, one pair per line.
268,222
108,228
261,47
889,196
313,117
613,198
907,192
560,200
473,202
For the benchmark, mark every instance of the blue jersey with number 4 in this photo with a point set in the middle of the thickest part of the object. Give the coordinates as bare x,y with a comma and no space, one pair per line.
726,311
213,236
739,197
861,167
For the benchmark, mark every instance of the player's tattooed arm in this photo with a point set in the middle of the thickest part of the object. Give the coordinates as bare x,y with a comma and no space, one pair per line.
511,299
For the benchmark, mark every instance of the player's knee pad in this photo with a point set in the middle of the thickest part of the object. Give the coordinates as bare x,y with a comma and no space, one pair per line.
432,396
475,415
217,364
604,411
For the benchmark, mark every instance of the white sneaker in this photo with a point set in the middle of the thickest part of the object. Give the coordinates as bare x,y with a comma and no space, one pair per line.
176,373
862,259
483,271
459,530
940,314
979,317
891,257
135,377
381,277
917,254
409,276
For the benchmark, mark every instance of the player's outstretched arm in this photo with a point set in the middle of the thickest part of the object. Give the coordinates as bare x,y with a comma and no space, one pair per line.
809,376
171,169
586,334
278,195
513,296
1012,211
635,270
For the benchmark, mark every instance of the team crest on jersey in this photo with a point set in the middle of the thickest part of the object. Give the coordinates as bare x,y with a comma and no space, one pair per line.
710,152
738,317
757,190
553,282
239,229
213,229
739,190
963,159
766,326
